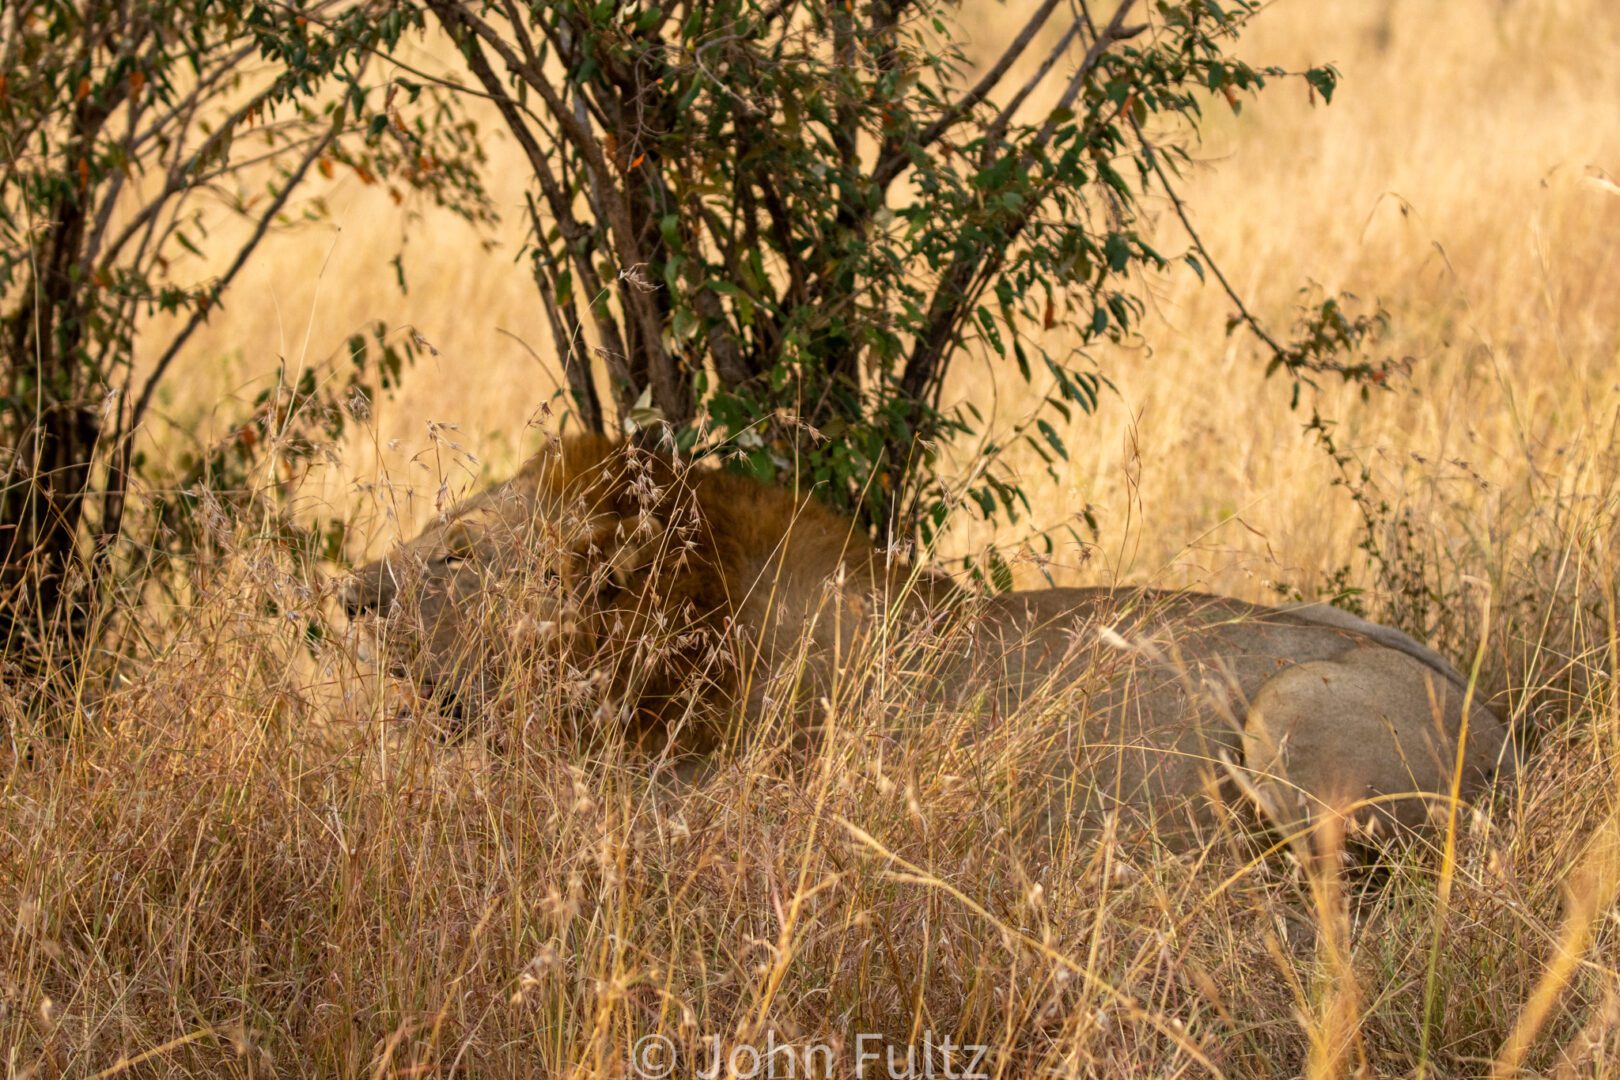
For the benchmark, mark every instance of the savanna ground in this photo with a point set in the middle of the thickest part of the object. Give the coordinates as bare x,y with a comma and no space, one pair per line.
243,864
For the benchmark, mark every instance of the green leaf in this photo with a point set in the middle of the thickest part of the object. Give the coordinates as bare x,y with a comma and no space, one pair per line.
669,227
685,324
1001,575
1052,439
1324,80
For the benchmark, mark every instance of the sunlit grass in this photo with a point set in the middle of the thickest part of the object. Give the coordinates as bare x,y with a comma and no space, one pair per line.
238,860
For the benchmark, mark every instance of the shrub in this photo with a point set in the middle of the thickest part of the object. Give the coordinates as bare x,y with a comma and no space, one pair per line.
778,225
126,128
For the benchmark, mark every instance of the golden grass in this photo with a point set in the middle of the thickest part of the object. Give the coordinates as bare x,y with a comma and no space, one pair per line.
238,870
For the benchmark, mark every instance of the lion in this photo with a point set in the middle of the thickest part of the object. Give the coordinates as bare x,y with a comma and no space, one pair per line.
694,599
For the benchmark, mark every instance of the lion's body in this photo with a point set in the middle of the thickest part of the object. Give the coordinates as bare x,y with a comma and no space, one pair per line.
1181,693
692,595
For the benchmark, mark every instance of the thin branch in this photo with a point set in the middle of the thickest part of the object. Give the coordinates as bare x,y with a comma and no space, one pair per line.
953,295
209,81
994,130
199,316
135,108
562,42
454,14
1115,32
569,339
1244,315
179,177
607,200
515,17
575,235
116,487
894,159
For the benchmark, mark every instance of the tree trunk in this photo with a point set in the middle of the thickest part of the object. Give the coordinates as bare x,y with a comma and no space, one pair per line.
42,592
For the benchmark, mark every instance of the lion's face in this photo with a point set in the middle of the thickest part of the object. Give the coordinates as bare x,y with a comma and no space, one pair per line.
433,605
522,574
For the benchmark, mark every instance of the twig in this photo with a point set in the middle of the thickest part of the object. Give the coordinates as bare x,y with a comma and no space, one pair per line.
894,161
954,295
1115,32
201,314
569,338
1244,315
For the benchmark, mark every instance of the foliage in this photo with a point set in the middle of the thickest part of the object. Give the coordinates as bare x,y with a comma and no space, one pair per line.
777,224
125,130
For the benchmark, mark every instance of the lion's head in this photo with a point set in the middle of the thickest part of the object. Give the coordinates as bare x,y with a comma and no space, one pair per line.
650,584
546,567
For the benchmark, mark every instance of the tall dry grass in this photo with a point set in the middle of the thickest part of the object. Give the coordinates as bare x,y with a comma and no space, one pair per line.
241,864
